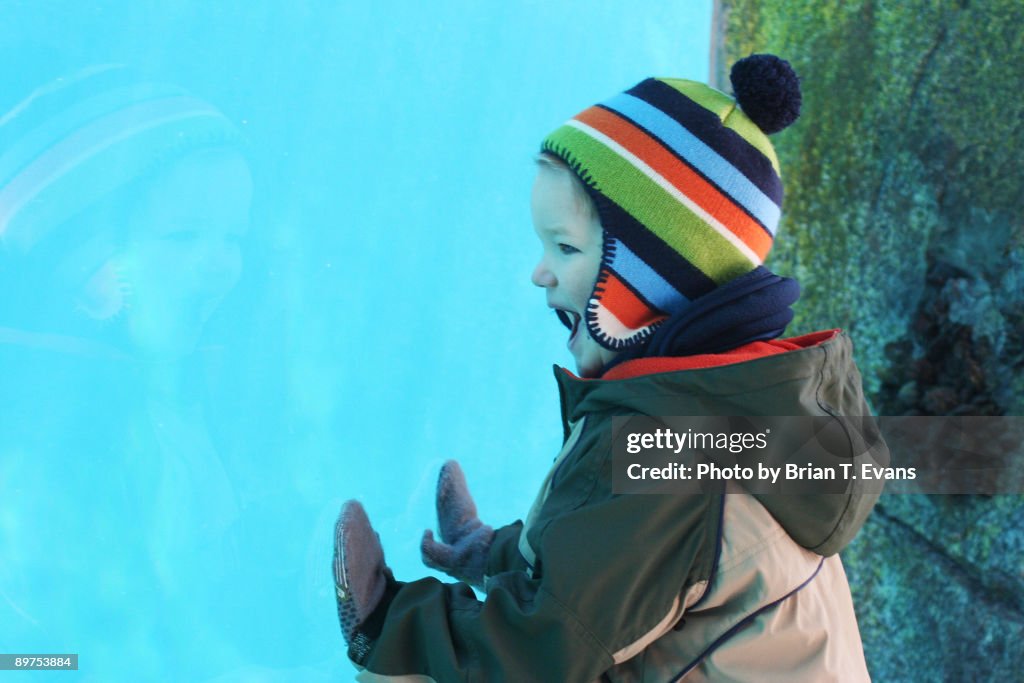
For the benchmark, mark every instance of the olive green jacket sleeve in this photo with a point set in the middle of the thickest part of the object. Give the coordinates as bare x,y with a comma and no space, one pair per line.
503,555
609,575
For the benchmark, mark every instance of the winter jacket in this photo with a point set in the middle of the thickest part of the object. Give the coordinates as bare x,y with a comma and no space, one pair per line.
597,586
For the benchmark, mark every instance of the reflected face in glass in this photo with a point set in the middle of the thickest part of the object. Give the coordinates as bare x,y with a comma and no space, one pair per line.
184,250
572,240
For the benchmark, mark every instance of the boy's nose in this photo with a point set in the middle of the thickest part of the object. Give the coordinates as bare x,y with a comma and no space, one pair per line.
542,277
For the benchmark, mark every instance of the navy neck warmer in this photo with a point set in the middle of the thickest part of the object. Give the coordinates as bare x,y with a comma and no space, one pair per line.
752,307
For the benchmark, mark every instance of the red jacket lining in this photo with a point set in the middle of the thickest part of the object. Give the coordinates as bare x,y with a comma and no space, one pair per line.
758,349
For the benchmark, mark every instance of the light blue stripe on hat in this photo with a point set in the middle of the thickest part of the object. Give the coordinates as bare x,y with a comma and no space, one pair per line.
645,280
706,160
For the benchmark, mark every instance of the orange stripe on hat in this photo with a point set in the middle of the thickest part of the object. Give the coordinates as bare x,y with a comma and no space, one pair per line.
681,176
621,302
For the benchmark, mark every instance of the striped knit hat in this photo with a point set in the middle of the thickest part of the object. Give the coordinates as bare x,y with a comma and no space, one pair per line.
687,188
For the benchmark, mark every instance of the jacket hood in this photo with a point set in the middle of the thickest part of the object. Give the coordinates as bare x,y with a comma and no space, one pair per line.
817,378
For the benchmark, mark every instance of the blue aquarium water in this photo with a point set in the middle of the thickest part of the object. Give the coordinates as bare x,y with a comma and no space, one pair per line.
259,258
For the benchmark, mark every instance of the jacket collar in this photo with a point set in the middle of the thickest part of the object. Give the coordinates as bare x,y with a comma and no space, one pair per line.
650,385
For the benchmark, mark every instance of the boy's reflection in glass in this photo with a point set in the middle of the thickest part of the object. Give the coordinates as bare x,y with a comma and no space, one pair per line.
123,204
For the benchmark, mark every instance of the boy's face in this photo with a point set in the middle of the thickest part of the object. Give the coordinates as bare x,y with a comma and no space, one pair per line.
184,253
571,237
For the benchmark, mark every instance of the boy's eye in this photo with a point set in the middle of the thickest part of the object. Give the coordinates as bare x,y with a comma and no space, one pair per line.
567,249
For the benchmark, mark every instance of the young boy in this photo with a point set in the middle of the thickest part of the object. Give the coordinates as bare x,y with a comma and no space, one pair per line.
655,210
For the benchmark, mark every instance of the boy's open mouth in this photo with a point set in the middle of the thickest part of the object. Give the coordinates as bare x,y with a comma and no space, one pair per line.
570,319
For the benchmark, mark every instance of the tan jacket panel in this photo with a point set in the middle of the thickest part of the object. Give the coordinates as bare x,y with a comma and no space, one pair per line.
775,612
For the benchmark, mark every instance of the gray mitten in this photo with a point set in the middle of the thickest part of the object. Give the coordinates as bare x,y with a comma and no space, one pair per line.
465,540
360,574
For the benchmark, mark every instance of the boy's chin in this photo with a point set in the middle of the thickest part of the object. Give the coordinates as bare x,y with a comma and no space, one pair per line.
589,368
590,358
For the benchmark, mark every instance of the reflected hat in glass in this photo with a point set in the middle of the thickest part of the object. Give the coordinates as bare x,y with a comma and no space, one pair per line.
77,139
687,188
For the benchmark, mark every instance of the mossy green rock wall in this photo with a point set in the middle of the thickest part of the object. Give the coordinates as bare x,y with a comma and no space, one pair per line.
904,223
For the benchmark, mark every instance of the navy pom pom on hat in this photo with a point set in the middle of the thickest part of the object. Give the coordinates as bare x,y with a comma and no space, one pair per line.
687,188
